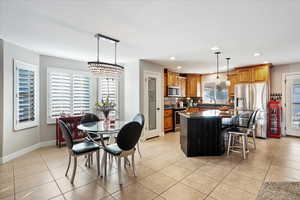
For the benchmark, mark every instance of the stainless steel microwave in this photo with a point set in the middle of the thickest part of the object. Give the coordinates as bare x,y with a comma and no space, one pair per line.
173,91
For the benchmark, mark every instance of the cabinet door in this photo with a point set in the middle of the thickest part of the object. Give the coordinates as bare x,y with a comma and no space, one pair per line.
168,124
193,86
233,81
261,74
182,85
244,75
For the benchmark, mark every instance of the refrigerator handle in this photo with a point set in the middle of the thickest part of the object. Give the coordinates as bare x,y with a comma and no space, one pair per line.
262,96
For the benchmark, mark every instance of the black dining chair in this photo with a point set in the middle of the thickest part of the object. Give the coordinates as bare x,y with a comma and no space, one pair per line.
79,149
127,139
140,119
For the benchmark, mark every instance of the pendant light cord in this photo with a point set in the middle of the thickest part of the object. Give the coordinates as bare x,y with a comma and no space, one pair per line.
97,48
217,53
115,52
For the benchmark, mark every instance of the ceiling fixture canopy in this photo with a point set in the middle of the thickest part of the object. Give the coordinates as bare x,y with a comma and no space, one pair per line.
105,67
218,78
228,81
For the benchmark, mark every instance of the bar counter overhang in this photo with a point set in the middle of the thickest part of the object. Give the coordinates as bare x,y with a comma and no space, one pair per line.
201,133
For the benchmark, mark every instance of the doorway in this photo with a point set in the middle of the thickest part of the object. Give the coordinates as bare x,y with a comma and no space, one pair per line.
152,104
292,104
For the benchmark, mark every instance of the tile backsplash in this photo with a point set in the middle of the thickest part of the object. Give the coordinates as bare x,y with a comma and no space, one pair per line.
169,101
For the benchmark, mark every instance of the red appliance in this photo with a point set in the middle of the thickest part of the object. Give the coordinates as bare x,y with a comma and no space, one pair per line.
274,119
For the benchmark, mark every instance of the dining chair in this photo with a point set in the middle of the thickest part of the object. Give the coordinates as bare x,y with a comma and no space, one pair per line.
76,150
91,136
236,133
140,119
126,141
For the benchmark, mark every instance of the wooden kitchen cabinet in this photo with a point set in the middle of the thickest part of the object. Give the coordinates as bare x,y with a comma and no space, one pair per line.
168,120
233,78
193,85
182,85
261,73
173,78
244,75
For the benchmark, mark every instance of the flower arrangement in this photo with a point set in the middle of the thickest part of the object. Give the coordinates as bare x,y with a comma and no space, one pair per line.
105,106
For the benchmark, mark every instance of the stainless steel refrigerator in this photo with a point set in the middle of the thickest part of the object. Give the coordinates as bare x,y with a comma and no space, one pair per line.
248,98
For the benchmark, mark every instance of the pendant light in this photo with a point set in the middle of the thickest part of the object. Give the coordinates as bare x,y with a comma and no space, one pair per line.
228,81
218,81
99,67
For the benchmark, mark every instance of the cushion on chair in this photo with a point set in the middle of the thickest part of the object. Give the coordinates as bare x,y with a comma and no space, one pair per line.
85,147
113,149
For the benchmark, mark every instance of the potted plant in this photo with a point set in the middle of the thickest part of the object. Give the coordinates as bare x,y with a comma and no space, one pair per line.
105,106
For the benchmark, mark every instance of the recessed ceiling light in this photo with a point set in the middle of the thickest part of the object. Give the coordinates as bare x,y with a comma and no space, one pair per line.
266,62
257,54
215,48
179,67
172,58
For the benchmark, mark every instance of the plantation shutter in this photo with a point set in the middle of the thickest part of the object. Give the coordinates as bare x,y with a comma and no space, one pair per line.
25,94
81,94
109,88
60,94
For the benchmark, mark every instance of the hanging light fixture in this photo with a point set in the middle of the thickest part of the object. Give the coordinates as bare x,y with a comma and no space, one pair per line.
218,78
104,67
228,81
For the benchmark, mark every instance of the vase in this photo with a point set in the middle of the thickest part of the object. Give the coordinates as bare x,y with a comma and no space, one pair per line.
106,114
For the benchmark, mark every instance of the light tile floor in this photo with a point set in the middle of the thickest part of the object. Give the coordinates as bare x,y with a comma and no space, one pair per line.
163,173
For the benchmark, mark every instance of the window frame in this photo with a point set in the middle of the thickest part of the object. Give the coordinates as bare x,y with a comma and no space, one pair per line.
215,92
118,95
26,66
72,73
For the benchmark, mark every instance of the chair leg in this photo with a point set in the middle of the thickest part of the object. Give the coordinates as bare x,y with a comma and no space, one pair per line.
133,164
119,170
229,144
253,137
74,170
98,162
103,164
68,165
92,161
138,148
244,147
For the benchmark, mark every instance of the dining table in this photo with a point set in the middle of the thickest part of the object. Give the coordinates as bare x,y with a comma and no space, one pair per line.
101,128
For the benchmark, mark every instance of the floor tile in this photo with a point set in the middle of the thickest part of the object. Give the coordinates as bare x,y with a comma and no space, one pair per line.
226,192
134,192
90,191
45,191
176,172
158,182
182,192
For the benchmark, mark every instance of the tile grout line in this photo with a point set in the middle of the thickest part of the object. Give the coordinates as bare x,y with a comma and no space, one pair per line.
221,180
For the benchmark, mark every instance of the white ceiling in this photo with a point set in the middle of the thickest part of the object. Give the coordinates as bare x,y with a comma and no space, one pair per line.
158,29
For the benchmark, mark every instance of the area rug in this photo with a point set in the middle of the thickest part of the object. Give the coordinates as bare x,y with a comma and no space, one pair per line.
279,191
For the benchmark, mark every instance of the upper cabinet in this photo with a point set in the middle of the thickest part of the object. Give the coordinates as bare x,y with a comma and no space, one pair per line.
257,73
193,85
173,78
233,78
182,85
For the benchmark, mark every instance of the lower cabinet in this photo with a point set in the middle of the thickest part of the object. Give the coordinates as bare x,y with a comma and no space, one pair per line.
168,120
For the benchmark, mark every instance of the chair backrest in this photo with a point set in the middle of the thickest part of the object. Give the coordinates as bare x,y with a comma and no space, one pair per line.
89,117
129,135
66,132
252,120
140,119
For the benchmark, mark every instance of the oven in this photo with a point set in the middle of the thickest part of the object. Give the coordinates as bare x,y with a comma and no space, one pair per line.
177,118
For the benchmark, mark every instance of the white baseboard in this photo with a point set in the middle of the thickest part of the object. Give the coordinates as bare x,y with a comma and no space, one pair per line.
26,150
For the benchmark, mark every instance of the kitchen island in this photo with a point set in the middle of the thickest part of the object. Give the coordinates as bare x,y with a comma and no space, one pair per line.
201,133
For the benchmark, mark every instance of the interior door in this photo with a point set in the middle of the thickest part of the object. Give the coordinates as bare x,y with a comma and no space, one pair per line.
292,101
152,106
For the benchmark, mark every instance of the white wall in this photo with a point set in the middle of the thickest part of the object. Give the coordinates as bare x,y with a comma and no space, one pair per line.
1,97
47,131
14,141
151,67
131,89
276,75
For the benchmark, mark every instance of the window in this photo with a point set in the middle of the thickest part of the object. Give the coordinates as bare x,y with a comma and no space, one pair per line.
26,94
214,93
108,87
69,93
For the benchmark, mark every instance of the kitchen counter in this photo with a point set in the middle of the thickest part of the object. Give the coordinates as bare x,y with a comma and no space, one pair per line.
207,114
201,133
212,106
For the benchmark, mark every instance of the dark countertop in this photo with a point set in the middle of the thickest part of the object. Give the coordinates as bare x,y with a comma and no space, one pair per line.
206,114
198,106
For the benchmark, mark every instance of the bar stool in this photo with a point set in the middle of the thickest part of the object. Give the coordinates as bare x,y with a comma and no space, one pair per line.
235,134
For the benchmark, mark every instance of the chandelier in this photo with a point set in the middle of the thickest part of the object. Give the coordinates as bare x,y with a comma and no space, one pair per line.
105,67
